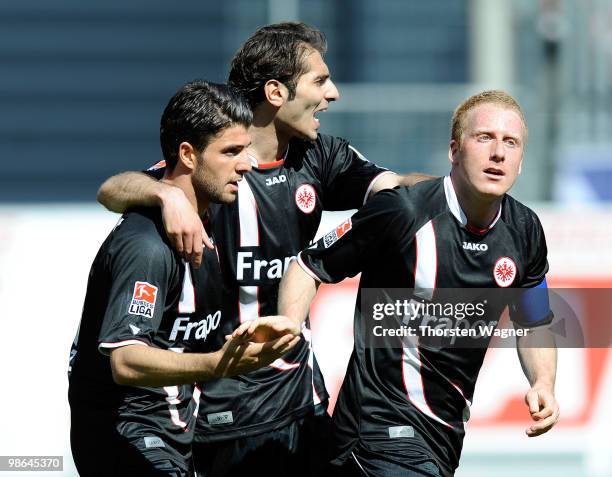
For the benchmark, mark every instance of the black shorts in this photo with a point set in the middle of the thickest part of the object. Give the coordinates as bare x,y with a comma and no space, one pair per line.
103,447
300,449
365,463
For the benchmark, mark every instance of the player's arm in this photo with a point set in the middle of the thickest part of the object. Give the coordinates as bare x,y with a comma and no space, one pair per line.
537,350
350,179
132,189
537,353
296,292
343,252
138,365
389,181
181,221
538,356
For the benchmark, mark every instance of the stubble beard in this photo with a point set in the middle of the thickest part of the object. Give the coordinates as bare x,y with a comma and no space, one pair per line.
206,189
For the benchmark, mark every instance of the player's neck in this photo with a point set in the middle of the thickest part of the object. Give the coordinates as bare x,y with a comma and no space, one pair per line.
268,143
183,182
479,211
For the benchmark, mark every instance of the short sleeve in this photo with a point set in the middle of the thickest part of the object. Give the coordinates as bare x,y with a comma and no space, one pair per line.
350,177
531,308
359,241
141,272
537,264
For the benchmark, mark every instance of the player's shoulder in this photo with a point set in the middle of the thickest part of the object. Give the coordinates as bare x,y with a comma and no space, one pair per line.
426,197
410,203
324,148
517,215
142,230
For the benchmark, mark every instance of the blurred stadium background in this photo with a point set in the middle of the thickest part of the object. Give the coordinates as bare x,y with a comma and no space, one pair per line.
82,88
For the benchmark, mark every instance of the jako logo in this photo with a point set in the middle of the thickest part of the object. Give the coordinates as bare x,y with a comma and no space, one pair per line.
202,327
272,269
276,180
482,247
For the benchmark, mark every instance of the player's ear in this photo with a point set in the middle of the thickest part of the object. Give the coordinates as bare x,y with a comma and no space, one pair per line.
187,156
276,93
520,166
453,150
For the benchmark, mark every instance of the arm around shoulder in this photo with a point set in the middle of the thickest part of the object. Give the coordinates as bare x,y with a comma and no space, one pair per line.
129,189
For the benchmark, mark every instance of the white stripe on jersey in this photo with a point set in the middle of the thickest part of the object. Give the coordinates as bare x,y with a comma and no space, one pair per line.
173,401
247,213
197,392
308,337
413,381
426,266
425,271
187,300
248,305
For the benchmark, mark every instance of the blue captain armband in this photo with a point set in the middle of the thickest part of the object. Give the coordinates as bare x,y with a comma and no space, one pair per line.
532,307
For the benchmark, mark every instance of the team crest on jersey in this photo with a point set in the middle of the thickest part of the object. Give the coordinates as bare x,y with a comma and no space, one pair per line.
331,237
305,198
504,272
143,299
159,165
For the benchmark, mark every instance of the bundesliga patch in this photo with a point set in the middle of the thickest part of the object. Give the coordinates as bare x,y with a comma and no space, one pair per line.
331,237
504,272
143,300
305,198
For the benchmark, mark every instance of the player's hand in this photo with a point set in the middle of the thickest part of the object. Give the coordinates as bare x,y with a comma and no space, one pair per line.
267,328
183,226
241,356
544,410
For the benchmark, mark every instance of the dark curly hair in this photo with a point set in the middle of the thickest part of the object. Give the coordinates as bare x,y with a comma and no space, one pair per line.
197,112
274,52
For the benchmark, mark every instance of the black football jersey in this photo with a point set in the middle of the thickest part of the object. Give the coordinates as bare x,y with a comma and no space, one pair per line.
398,398
276,214
140,292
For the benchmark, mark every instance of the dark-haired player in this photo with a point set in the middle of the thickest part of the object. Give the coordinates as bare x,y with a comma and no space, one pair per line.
150,321
267,416
402,409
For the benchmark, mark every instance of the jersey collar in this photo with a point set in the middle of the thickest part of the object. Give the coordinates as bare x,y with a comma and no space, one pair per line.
455,208
268,165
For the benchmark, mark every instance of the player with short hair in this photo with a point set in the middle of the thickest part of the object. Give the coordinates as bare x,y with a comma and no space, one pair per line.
277,413
403,405
150,325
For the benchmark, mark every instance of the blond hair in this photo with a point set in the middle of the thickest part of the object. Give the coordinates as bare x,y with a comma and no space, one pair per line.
500,98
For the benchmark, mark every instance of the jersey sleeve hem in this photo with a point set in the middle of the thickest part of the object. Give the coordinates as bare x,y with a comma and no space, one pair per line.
372,182
307,269
106,347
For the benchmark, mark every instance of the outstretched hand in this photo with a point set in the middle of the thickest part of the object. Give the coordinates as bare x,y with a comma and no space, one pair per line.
239,355
544,410
267,328
184,226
